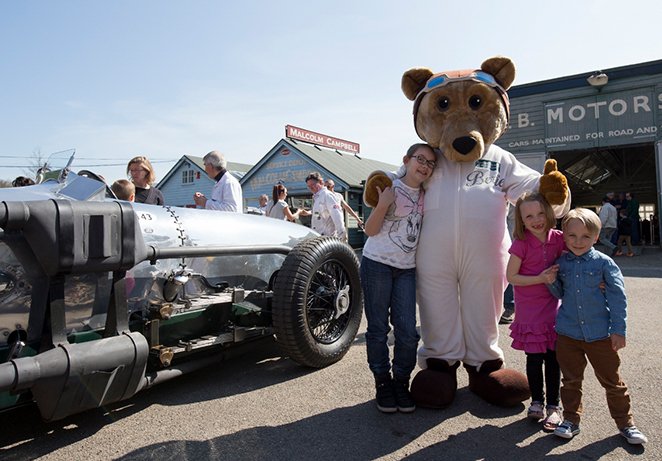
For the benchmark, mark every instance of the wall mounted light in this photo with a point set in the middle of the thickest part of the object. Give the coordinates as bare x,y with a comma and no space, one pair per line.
597,79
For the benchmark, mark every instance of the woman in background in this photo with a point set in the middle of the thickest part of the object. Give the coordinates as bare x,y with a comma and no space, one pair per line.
142,176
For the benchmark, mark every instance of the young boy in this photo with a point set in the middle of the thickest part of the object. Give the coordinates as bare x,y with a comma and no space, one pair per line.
124,190
590,324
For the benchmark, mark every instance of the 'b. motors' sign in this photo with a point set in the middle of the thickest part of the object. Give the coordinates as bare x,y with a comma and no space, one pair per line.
311,137
603,119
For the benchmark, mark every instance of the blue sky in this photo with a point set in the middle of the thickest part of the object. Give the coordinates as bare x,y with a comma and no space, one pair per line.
115,79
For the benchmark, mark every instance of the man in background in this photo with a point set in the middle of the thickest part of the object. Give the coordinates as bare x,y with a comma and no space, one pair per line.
331,185
226,194
327,217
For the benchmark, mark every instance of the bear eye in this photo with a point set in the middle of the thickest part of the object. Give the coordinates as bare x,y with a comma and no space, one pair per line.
475,102
443,103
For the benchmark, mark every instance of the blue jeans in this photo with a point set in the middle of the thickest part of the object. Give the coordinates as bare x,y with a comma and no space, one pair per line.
390,294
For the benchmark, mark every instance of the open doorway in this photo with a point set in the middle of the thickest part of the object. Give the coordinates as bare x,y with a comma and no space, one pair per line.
592,173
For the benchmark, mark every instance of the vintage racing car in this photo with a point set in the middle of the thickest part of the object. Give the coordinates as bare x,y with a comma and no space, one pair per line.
101,298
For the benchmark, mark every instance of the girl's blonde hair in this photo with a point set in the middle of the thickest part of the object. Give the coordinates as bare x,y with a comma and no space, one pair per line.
519,232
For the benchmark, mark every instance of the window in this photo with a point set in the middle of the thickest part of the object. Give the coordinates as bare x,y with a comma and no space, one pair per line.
187,176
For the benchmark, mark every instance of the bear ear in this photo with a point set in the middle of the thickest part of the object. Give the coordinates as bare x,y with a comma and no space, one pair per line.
414,80
502,68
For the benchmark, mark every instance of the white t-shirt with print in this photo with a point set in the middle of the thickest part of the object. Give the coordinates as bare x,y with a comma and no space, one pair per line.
396,242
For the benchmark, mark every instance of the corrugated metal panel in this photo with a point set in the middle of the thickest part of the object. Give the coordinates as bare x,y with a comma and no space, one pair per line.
625,111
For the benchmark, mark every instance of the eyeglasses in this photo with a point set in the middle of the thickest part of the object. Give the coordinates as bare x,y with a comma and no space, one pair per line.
423,161
137,171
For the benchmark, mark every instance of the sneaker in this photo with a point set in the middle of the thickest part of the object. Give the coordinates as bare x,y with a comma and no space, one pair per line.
403,398
508,315
633,435
536,411
553,419
386,397
567,430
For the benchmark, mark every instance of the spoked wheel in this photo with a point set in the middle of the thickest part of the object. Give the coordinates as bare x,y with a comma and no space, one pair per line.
318,302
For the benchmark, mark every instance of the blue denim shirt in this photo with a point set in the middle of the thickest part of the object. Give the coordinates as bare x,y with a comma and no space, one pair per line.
588,313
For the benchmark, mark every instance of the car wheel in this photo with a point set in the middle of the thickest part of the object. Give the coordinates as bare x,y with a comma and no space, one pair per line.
318,302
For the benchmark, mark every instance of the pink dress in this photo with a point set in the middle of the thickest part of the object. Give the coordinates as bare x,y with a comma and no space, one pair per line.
535,307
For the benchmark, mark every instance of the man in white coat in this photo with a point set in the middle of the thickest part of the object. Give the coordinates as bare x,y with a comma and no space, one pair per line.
327,218
226,194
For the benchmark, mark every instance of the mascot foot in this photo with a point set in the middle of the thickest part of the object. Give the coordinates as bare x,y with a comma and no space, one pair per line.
497,385
435,386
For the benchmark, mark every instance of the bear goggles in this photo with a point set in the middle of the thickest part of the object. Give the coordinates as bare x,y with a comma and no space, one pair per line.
444,78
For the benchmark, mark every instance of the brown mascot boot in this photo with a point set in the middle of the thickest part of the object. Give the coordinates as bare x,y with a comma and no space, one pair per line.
435,386
497,385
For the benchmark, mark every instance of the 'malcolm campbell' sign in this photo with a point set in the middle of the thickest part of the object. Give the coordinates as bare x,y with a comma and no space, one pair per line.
321,139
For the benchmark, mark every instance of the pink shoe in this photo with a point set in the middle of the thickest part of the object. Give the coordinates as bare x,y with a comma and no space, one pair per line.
553,419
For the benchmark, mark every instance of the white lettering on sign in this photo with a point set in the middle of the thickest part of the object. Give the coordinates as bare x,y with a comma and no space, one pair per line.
616,108
523,120
321,139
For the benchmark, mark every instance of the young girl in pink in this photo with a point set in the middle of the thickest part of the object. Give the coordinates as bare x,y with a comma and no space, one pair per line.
535,247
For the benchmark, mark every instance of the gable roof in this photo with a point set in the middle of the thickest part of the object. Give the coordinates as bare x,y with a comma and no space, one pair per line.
238,170
348,168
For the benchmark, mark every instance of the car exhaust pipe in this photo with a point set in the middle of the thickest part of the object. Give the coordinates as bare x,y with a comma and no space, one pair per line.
71,378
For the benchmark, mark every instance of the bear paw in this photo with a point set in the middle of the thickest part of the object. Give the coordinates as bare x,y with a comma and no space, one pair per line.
497,385
553,185
435,386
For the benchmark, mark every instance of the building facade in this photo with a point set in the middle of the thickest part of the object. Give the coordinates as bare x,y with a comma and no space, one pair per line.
604,128
188,176
290,161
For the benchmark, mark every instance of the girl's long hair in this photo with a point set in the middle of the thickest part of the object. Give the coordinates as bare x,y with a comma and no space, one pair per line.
519,232
278,189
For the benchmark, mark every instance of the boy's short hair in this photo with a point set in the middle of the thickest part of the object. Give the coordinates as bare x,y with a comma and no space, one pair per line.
588,218
123,189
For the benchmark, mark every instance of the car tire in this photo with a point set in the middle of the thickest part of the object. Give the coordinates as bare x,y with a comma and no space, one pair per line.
318,302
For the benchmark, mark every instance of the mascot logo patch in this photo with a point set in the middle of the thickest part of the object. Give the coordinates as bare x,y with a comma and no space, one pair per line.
485,173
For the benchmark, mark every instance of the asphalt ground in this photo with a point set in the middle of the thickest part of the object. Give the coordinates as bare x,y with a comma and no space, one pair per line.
264,406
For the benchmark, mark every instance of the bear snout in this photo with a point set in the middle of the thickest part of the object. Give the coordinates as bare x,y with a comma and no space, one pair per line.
464,145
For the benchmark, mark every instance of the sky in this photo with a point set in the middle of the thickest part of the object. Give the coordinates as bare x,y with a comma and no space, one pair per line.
116,79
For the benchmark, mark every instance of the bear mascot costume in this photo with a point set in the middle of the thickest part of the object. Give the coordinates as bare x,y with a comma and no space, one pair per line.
463,248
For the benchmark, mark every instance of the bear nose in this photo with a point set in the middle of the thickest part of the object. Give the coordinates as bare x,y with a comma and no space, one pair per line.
464,145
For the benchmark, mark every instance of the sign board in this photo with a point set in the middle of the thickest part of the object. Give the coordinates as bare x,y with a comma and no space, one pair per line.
311,137
604,119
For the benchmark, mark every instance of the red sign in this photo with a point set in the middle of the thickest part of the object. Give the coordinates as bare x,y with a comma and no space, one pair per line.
321,139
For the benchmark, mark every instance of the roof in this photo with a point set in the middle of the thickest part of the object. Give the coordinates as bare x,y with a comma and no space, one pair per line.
349,168
579,80
238,170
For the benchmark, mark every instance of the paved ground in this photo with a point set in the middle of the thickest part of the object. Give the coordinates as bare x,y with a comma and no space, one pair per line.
263,406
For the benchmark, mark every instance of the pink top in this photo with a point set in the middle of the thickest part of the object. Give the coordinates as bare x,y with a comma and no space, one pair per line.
535,307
